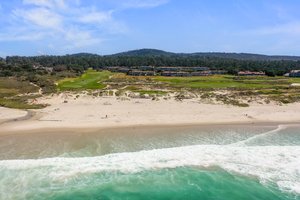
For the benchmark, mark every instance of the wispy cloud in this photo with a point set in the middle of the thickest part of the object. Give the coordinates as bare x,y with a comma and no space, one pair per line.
67,23
41,17
46,3
78,38
291,29
143,3
281,38
18,36
96,17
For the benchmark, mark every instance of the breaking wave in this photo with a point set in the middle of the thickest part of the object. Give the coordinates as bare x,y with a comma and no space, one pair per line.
273,164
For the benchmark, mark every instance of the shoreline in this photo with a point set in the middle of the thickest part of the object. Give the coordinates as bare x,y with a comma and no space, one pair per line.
78,130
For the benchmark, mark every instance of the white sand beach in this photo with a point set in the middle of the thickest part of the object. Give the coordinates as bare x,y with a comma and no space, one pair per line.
6,113
66,111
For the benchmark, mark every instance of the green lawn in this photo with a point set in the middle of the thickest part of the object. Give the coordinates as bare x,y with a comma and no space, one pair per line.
94,80
91,79
225,82
294,80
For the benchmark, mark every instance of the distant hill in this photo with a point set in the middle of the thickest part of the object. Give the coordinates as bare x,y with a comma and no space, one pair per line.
145,52
238,56
83,55
248,56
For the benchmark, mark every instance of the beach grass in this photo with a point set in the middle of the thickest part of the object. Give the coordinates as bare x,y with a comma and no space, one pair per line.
152,92
15,93
14,86
19,103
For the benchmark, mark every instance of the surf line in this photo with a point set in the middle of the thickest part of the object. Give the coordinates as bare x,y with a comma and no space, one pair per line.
244,142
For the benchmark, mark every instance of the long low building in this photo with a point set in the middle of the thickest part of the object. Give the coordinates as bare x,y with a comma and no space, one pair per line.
216,72
294,73
181,69
141,73
249,73
117,69
165,71
203,73
179,74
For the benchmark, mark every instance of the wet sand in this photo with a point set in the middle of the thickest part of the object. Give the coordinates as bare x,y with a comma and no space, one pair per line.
95,142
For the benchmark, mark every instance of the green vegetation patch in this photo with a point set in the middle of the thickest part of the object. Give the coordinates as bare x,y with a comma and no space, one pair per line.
14,86
248,88
152,92
19,103
91,79
224,82
11,87
294,80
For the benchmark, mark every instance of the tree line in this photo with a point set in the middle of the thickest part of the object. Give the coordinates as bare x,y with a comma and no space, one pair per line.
76,64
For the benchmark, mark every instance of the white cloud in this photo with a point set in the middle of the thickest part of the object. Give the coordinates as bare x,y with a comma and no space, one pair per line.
20,36
68,24
77,38
96,17
40,17
45,20
141,3
46,3
277,39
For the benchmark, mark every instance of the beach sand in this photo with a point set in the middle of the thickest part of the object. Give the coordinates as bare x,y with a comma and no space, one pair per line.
66,111
7,114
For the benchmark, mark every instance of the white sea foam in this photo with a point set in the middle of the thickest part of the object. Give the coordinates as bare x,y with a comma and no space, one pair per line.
276,164
262,135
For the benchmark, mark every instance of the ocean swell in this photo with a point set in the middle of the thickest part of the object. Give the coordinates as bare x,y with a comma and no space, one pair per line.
278,165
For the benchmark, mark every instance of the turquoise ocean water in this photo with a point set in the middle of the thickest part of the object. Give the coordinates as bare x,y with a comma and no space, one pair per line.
217,163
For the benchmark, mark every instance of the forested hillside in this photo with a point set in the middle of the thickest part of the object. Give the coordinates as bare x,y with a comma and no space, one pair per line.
77,63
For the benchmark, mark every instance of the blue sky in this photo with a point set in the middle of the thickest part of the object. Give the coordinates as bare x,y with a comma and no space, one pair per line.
38,27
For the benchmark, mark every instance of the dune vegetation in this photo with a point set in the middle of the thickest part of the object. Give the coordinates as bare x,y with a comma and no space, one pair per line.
239,90
227,89
18,94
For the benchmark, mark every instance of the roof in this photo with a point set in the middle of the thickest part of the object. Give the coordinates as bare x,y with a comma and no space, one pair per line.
295,71
251,73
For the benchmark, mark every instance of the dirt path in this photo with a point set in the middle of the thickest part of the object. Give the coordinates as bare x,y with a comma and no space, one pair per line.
40,92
